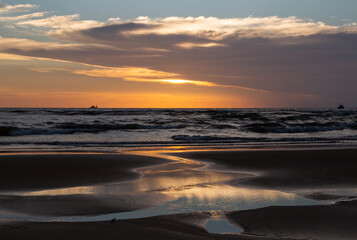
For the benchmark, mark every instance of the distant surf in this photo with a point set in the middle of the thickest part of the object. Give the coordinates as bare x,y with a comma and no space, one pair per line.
138,127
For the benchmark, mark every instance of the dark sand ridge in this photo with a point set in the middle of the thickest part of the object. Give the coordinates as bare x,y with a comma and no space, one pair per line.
333,222
175,227
287,168
45,171
80,204
337,221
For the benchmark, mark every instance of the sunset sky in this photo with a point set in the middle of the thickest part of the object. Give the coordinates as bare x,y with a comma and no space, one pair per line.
188,53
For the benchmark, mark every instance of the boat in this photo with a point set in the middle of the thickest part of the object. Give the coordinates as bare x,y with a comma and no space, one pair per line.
341,107
94,106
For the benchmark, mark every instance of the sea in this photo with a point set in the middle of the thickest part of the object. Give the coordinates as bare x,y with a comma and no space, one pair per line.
109,129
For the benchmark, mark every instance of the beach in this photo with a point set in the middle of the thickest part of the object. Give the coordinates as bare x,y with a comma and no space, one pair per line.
55,188
139,120
287,169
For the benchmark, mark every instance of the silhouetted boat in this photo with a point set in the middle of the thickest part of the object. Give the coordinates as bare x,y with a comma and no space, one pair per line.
94,106
341,107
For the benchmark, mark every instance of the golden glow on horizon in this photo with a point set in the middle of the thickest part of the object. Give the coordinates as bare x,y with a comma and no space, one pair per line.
116,100
42,82
132,74
139,75
189,45
177,81
184,81
125,72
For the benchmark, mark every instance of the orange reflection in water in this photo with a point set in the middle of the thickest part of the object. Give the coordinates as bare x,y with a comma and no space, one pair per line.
226,192
178,179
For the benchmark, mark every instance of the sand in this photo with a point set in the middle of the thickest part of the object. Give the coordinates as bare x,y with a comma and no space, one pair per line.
176,227
276,169
45,171
284,169
337,221
80,204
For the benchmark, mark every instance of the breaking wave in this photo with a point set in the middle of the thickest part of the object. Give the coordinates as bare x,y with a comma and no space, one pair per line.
113,127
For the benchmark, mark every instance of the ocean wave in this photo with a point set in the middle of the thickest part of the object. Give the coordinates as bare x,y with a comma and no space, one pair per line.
242,140
7,131
295,128
208,138
222,126
227,115
72,128
108,127
263,127
188,139
15,131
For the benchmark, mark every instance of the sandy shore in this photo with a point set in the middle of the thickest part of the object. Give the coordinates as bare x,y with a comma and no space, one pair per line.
52,171
176,227
276,169
287,168
44,171
335,222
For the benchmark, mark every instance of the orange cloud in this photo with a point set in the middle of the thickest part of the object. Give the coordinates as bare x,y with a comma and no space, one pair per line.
30,45
136,74
190,45
125,72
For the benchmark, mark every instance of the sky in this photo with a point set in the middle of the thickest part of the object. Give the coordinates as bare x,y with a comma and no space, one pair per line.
184,54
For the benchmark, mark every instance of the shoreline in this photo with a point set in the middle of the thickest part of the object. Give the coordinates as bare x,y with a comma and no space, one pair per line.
285,169
276,172
179,146
336,221
45,171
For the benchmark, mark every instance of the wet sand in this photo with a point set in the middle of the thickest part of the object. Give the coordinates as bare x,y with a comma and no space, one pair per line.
287,169
80,204
337,221
275,169
45,171
176,227
293,170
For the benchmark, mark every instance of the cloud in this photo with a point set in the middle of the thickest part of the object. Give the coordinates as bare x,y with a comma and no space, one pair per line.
62,23
126,72
217,29
16,8
22,44
47,70
22,17
131,74
4,56
291,55
186,33
190,45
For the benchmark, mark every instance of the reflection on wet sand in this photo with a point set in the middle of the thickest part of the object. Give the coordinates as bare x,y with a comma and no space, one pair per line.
228,193
184,186
178,174
152,182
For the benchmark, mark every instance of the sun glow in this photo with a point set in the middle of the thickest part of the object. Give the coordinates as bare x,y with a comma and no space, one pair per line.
141,75
184,81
